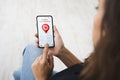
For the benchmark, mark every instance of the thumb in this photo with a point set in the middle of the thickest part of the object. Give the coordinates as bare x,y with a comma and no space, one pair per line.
56,31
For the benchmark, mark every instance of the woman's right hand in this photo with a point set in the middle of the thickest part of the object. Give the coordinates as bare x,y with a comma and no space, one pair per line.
59,45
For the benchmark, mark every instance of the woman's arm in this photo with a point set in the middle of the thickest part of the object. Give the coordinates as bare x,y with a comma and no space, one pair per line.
68,58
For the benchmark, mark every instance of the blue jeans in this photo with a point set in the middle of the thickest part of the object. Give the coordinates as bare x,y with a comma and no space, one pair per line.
30,53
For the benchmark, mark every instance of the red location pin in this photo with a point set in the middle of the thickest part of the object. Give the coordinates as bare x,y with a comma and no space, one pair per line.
45,27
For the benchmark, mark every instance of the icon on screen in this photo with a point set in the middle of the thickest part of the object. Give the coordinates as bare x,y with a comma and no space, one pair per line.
45,28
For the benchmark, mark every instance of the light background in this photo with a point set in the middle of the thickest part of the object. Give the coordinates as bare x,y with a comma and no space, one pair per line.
73,18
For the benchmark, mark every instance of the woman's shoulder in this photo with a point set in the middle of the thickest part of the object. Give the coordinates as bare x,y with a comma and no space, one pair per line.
71,73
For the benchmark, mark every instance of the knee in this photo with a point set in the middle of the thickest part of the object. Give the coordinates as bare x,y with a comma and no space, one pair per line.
31,47
17,74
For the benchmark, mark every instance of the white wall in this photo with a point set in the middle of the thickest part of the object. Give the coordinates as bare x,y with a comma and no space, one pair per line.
73,18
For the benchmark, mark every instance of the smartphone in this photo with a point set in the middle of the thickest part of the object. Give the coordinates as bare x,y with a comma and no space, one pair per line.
45,30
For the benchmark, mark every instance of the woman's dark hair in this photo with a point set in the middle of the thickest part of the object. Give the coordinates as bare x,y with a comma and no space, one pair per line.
104,62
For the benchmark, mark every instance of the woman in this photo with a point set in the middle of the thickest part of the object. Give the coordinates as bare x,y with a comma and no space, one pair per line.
103,63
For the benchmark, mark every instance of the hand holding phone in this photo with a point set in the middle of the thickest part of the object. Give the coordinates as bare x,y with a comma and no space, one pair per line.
45,30
59,44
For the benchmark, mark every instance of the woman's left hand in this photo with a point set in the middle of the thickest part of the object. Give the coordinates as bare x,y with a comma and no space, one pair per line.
43,65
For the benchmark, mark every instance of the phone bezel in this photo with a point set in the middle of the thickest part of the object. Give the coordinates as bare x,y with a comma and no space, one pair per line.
52,28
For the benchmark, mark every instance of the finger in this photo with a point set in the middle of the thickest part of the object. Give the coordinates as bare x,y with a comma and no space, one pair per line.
39,58
45,52
51,62
56,31
36,35
37,43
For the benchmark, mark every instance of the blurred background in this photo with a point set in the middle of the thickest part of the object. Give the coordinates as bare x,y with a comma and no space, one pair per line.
73,18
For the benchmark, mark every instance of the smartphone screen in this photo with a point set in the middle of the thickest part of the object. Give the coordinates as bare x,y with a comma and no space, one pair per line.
45,30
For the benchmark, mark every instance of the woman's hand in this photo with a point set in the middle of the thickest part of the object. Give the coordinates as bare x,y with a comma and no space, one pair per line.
59,45
43,65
